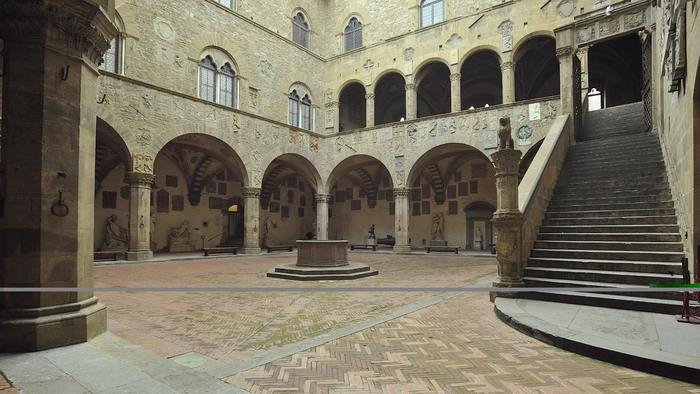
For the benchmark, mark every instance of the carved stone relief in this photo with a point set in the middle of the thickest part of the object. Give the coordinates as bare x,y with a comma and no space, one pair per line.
566,8
408,54
143,163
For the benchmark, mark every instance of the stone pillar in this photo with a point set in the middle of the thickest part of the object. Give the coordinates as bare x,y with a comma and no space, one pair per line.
333,116
507,220
139,216
322,201
456,91
401,220
582,53
51,51
566,85
251,213
369,102
508,82
411,101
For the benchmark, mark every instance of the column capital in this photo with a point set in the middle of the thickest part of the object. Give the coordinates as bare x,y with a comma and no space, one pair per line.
507,66
332,104
370,96
563,53
79,26
455,77
411,86
251,192
403,192
139,179
323,198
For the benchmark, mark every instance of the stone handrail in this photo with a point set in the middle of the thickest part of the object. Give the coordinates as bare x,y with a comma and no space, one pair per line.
537,185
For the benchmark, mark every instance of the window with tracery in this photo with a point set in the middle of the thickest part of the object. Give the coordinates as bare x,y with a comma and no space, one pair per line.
217,84
353,35
431,12
300,30
300,110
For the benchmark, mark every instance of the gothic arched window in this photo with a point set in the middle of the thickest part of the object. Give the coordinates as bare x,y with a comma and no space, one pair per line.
300,30
353,35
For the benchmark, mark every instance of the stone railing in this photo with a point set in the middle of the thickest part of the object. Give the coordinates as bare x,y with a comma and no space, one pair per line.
537,186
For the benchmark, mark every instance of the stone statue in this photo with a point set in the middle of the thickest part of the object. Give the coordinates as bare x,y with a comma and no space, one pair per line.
117,237
180,235
268,225
505,141
478,234
153,226
438,229
371,231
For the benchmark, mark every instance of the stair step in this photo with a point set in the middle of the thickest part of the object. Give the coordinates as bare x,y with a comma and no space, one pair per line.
615,301
642,228
603,276
631,220
622,199
612,265
610,206
608,255
674,247
610,237
611,213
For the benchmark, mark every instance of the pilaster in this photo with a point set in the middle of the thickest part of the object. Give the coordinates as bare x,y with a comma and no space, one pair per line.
508,81
251,217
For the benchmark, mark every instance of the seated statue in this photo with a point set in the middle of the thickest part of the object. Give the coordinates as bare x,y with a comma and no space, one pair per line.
117,237
180,235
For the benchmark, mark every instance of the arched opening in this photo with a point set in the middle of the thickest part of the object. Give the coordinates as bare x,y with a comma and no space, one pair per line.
287,201
390,99
482,80
434,90
536,69
198,177
615,70
444,180
353,107
361,196
480,234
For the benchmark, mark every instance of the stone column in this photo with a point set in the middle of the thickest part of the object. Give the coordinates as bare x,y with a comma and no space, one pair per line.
51,51
251,213
411,101
139,216
456,91
508,82
401,221
333,116
507,220
322,216
369,102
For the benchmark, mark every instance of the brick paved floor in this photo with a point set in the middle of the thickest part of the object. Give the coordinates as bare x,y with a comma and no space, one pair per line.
452,347
5,387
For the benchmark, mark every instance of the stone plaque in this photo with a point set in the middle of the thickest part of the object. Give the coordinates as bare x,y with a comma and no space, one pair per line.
452,208
162,201
223,189
274,207
463,189
276,194
473,187
355,205
178,203
109,200
340,196
285,211
302,201
300,212
425,191
451,191
416,209
214,202
125,192
415,194
211,187
171,180
425,209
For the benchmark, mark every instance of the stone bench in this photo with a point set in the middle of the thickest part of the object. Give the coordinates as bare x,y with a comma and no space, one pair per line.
361,246
223,249
105,255
271,249
443,249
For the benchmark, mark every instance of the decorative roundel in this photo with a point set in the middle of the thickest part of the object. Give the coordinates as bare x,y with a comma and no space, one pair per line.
524,132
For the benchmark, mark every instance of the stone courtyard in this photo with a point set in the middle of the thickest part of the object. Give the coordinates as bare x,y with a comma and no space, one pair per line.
343,342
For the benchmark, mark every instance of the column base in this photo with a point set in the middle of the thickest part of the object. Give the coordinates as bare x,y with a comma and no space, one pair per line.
139,254
256,250
33,329
504,285
402,249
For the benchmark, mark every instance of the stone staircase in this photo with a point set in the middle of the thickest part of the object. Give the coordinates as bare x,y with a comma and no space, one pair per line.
611,220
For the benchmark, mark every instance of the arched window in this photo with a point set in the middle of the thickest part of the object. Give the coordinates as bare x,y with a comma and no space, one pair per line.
431,12
353,35
217,84
300,30
300,110
112,58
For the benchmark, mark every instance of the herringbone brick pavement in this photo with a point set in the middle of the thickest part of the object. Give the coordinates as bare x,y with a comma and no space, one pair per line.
457,346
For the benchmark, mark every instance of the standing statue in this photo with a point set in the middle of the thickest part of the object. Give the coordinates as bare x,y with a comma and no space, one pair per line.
268,225
153,226
116,237
438,229
505,141
180,235
371,231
